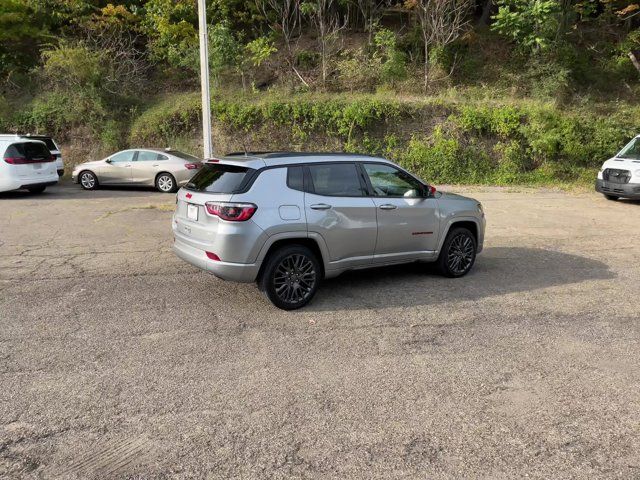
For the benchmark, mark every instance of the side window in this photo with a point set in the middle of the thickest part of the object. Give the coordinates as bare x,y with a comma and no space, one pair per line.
144,156
388,181
336,180
295,178
122,157
162,157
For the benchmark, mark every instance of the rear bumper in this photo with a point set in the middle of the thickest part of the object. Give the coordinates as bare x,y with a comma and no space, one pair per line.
8,184
36,185
627,190
235,272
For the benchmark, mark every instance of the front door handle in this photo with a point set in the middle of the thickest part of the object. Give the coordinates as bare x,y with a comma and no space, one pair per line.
388,206
320,206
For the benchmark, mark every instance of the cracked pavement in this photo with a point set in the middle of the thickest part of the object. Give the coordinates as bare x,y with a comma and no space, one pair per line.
118,360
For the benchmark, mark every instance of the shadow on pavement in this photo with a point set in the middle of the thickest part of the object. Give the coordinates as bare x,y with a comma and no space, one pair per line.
66,190
498,271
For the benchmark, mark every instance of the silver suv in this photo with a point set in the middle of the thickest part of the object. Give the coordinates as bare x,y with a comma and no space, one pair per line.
289,220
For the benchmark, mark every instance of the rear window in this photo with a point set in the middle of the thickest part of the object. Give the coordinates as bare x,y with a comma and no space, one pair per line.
184,156
29,150
219,178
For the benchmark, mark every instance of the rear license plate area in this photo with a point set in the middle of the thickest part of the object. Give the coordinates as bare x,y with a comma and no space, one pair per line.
192,212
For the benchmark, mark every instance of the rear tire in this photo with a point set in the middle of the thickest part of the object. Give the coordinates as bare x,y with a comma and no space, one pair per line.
458,253
36,190
613,198
166,183
88,180
290,277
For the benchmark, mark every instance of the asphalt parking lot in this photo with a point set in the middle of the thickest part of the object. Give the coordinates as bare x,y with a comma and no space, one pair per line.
119,360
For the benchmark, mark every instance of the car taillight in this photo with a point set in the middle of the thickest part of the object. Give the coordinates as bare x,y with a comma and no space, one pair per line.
192,166
232,212
26,161
15,160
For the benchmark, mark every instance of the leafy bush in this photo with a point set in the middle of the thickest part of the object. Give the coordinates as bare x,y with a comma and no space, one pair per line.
392,60
531,24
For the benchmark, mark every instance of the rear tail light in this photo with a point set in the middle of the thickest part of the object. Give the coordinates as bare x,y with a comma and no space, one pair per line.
192,166
16,160
26,161
232,212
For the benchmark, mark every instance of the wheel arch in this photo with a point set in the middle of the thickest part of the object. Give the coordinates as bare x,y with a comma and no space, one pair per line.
469,223
311,243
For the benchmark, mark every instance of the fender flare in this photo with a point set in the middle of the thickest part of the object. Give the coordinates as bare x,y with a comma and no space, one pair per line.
453,220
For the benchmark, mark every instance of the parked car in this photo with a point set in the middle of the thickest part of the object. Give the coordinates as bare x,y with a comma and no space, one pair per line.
620,175
166,170
53,148
26,164
289,220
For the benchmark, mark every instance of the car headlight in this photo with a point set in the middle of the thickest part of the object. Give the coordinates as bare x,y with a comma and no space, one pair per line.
480,209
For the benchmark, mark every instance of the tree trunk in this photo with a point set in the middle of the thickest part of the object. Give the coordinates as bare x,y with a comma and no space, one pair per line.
486,13
426,65
634,60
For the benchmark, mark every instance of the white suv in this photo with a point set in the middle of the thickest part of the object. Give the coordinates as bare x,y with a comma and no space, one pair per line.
53,148
26,164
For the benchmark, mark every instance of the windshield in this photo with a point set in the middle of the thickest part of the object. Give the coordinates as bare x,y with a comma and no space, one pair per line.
184,156
632,150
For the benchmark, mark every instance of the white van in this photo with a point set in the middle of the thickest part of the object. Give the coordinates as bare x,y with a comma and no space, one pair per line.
620,175
26,164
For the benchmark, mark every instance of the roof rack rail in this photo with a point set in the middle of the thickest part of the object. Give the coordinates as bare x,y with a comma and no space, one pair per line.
247,154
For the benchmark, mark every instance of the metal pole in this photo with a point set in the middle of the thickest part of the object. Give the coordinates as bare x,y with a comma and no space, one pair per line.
204,80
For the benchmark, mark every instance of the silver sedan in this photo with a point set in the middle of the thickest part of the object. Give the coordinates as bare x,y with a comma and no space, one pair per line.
167,170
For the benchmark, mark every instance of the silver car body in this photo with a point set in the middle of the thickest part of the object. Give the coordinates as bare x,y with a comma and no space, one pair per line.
350,232
139,166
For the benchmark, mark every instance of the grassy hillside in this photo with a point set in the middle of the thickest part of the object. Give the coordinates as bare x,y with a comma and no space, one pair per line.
443,139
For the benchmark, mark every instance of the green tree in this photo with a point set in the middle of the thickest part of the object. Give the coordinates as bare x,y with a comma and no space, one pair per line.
532,24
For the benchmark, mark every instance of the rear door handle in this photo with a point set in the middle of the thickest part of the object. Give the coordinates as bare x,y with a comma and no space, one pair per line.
388,206
320,206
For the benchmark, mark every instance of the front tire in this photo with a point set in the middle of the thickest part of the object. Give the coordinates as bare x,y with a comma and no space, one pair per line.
613,198
290,277
166,183
458,253
88,180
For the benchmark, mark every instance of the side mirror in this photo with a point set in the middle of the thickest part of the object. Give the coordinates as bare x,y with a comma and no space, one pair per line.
429,191
108,160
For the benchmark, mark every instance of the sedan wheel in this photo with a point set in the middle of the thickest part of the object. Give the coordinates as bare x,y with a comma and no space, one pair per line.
166,183
88,180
